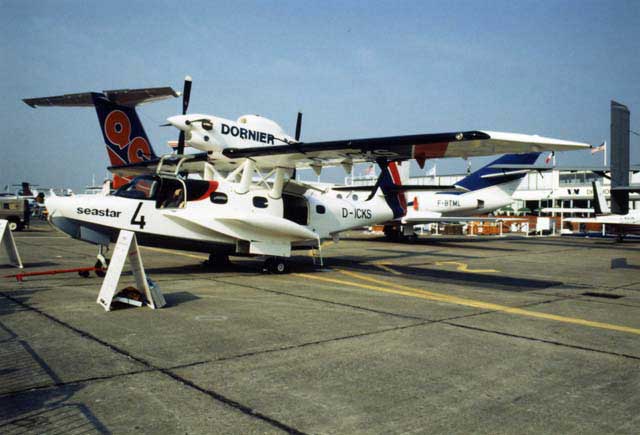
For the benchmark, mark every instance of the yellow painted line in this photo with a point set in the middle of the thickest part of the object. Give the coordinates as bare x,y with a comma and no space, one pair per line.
386,268
463,267
169,251
440,297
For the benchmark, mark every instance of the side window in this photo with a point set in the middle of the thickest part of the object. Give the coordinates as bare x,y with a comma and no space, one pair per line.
260,202
219,198
339,196
320,209
355,197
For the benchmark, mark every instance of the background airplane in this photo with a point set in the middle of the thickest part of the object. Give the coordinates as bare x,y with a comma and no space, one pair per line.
619,224
481,192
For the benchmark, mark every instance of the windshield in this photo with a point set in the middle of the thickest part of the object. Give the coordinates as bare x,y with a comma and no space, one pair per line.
143,187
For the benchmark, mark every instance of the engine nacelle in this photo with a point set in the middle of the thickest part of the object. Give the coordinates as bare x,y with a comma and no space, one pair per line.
212,134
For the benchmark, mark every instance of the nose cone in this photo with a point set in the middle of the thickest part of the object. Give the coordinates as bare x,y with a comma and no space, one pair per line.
179,121
52,203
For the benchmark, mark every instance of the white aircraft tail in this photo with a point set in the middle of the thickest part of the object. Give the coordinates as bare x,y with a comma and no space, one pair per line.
599,202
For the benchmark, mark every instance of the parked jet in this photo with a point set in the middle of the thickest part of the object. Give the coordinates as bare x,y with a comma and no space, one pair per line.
228,212
619,224
484,191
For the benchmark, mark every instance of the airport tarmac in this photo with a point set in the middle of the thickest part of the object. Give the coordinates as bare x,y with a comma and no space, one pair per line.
447,335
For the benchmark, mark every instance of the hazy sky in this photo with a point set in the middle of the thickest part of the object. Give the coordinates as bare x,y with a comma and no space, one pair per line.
356,69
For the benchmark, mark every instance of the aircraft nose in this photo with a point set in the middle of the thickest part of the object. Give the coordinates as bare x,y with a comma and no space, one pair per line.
52,204
181,122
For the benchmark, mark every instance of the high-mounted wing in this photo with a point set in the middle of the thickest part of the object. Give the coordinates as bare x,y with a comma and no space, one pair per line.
420,147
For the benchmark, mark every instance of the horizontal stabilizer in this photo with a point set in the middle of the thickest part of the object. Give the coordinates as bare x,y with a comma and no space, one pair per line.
123,97
514,167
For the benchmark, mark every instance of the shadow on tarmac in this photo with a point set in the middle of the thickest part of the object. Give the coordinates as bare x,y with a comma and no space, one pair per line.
494,281
25,410
622,263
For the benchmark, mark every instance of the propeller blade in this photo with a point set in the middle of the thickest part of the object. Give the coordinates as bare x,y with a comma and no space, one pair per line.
186,94
180,148
298,126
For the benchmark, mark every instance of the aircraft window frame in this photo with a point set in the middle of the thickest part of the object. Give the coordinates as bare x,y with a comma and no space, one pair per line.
125,192
321,209
260,202
219,198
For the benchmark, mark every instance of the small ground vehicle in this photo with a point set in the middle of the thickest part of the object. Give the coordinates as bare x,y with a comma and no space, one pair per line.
16,211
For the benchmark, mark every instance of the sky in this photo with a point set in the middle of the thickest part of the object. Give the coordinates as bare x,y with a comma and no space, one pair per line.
354,68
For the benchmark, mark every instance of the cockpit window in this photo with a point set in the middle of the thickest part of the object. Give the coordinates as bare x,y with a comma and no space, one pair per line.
139,188
171,193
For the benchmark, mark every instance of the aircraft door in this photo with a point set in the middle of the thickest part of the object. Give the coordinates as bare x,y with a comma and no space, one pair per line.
295,208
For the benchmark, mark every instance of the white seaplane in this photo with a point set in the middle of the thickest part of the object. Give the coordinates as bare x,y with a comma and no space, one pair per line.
246,200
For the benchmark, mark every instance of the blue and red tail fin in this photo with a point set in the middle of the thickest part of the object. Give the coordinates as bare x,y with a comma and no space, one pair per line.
123,134
390,179
479,180
122,130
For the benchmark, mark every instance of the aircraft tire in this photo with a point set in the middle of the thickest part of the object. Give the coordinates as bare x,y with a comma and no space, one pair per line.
101,273
277,265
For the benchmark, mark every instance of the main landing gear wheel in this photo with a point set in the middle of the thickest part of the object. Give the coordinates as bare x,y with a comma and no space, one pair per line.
13,226
276,265
217,260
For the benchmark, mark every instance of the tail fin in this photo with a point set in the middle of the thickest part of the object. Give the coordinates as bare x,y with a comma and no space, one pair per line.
123,134
599,202
479,180
122,130
396,200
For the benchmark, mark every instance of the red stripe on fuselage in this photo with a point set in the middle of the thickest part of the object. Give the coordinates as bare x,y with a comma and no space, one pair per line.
213,185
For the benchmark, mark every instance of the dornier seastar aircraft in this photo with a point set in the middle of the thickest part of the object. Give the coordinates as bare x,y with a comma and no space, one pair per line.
246,202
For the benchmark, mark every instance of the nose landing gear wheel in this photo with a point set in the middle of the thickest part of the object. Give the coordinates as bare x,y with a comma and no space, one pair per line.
101,269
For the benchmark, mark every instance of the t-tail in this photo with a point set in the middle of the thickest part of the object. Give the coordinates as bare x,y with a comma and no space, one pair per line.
488,175
122,130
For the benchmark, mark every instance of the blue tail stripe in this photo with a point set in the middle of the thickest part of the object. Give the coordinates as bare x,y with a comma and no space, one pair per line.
475,181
